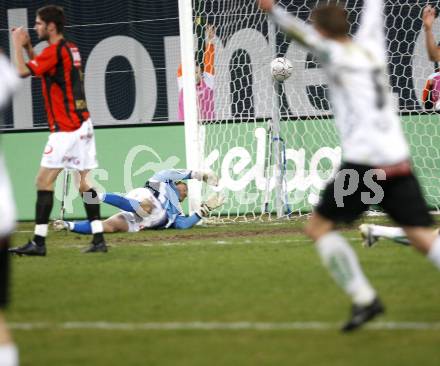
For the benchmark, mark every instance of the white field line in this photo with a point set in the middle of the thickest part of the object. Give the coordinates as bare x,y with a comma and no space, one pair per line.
238,241
174,326
205,242
246,239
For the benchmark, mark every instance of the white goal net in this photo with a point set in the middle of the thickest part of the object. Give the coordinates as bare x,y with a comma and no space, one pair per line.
275,146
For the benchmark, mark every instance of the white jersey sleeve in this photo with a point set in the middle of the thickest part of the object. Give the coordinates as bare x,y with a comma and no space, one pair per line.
371,32
301,32
9,80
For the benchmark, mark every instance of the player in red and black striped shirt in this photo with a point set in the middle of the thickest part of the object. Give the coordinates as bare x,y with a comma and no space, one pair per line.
59,67
71,143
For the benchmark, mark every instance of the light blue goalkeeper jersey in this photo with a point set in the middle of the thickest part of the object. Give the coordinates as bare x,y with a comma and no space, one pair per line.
169,195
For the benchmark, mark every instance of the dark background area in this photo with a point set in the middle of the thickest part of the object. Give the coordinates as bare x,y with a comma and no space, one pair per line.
149,21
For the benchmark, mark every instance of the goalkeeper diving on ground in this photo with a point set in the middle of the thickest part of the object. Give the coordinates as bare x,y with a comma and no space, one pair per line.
155,206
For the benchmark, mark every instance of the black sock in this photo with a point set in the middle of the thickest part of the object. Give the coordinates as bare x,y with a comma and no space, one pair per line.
98,238
4,272
39,240
93,211
43,209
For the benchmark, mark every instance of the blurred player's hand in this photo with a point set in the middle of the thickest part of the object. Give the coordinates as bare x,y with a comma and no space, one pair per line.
210,32
266,5
214,201
428,17
20,37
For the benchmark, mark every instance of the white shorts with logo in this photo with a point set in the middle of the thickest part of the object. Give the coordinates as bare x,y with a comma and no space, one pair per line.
72,150
157,218
7,206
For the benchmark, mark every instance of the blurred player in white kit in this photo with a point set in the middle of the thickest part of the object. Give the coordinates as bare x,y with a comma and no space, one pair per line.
8,351
376,167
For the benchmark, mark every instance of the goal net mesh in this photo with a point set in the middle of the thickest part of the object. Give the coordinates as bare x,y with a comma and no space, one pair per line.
261,163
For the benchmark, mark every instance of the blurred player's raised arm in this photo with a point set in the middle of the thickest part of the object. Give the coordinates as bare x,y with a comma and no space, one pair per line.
295,28
372,22
10,80
206,88
371,30
428,18
209,53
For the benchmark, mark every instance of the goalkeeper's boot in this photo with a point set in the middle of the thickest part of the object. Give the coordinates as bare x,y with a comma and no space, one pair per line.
368,239
97,247
362,314
30,248
60,225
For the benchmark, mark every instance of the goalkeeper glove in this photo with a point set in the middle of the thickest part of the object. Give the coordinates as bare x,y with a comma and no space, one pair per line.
214,201
207,176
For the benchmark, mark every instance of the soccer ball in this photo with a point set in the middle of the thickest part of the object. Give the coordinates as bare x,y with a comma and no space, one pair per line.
281,68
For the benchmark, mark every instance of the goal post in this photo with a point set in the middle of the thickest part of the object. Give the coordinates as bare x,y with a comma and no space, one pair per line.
276,151
246,139
195,24
193,144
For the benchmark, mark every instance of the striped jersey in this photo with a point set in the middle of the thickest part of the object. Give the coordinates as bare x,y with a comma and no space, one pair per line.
60,69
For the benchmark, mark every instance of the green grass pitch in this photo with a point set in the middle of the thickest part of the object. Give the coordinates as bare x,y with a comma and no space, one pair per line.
242,294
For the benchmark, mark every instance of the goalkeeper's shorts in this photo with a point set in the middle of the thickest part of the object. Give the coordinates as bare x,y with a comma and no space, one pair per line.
156,219
402,198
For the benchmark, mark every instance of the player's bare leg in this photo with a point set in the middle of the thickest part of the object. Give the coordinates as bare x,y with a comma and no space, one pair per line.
422,238
92,208
342,263
5,334
45,180
116,224
427,241
8,350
